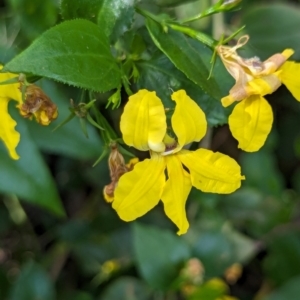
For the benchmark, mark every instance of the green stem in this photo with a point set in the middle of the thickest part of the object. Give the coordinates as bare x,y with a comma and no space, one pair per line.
203,38
233,35
210,11
146,14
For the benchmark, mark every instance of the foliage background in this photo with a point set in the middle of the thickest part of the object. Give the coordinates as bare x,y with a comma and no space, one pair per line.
60,240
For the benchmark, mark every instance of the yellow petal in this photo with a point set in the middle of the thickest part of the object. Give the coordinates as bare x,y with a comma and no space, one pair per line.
226,101
143,122
139,190
176,191
263,86
251,122
212,172
188,120
287,53
8,133
290,72
10,91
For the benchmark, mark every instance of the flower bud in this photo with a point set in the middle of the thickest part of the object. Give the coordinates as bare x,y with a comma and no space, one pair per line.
117,168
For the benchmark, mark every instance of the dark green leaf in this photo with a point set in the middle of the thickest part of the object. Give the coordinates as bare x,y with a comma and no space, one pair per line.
32,284
290,290
181,50
74,52
259,177
74,9
279,30
159,74
159,254
283,255
116,17
247,209
29,177
219,248
35,16
126,288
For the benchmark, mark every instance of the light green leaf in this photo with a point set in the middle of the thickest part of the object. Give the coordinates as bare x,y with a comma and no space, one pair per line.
159,265
75,52
28,177
181,50
33,283
116,17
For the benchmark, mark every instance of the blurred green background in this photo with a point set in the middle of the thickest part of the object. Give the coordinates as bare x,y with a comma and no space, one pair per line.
60,240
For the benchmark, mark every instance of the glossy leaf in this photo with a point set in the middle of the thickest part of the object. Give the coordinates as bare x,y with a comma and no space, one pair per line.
29,177
158,265
33,283
181,51
116,17
75,52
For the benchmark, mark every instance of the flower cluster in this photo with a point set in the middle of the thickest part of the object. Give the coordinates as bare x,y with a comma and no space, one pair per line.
251,119
144,126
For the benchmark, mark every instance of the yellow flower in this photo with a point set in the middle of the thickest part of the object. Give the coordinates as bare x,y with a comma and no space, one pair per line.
143,125
8,134
251,119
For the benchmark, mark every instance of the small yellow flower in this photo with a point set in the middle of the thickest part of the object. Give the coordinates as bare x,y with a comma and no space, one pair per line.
8,134
143,125
251,119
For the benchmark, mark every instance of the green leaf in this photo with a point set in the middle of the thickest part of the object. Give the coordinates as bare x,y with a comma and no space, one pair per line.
33,283
69,139
74,9
283,255
290,290
246,209
218,248
116,17
74,52
34,16
159,253
259,177
275,35
126,288
181,50
28,177
160,75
